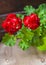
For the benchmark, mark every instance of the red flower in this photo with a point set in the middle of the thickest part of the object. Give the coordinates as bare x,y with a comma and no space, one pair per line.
12,23
32,21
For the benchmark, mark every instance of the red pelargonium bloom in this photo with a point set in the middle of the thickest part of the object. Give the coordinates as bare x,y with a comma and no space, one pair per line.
32,21
12,23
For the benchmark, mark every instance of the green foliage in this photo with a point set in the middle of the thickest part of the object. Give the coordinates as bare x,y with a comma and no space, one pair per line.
35,37
42,47
29,9
24,44
9,40
26,36
37,41
25,33
41,11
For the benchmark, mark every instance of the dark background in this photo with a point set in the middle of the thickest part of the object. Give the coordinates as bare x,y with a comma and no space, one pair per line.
8,6
17,5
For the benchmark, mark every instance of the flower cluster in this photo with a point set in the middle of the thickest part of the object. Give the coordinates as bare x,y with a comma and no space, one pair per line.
32,21
13,23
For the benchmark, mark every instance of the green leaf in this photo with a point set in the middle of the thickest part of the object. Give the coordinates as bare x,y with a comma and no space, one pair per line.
42,47
29,9
19,35
37,38
24,45
41,11
38,31
25,33
26,36
37,41
9,40
43,19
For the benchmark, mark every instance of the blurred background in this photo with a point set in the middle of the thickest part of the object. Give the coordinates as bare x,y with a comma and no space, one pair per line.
17,5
